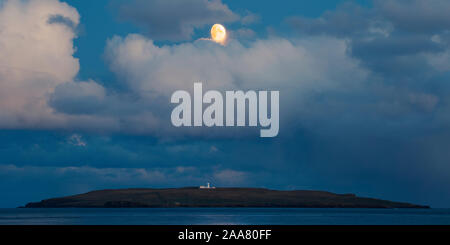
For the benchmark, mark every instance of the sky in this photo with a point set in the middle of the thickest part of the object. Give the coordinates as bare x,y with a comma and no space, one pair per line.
85,92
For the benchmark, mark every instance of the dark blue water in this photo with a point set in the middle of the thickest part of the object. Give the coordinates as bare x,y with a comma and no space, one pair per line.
239,216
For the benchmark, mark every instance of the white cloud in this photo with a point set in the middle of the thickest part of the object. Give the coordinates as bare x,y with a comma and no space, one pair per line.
38,70
36,59
149,69
297,68
36,56
77,140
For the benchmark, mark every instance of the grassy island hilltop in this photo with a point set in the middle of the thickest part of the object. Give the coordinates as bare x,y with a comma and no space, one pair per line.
217,197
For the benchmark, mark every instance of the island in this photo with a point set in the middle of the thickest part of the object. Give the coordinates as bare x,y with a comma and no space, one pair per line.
215,197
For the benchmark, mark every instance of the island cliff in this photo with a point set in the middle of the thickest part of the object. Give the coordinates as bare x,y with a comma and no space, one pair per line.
219,197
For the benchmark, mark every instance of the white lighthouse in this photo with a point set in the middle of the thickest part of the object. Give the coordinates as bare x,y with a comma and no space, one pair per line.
208,186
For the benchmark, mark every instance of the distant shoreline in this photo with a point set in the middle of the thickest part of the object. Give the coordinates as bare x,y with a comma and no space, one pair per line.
194,197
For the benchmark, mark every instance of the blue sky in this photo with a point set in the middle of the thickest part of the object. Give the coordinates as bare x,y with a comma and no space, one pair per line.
85,96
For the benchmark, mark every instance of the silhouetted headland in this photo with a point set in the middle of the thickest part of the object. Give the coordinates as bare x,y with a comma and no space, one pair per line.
218,197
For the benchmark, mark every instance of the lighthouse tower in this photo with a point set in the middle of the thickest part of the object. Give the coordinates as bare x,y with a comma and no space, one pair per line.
208,186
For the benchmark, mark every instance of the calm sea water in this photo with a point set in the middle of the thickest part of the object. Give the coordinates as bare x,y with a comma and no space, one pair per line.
244,216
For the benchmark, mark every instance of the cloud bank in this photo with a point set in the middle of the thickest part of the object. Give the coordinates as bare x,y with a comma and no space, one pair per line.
43,91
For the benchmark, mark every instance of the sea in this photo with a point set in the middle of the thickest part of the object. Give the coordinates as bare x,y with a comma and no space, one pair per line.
223,216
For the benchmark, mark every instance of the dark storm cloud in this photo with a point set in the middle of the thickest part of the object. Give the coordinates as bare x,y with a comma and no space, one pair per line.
393,38
416,15
388,132
395,46
347,19
397,54
175,20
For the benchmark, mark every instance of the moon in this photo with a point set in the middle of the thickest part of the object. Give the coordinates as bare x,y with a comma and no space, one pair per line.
218,33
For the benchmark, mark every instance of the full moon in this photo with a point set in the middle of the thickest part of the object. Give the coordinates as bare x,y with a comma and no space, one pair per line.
218,33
